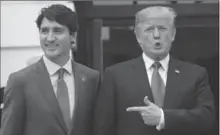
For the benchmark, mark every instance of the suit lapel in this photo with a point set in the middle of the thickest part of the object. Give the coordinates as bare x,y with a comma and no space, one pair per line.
140,77
77,82
47,91
172,91
173,83
80,94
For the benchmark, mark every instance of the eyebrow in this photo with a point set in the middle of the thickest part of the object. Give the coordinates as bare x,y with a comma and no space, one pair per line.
56,27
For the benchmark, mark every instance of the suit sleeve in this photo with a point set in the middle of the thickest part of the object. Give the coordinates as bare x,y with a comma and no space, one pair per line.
14,107
105,109
200,119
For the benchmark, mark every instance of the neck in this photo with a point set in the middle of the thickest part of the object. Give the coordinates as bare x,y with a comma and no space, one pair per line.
61,60
158,58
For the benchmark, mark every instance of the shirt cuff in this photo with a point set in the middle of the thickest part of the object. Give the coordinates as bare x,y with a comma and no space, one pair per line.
161,124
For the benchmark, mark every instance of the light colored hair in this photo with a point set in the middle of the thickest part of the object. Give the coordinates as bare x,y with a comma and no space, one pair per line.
155,12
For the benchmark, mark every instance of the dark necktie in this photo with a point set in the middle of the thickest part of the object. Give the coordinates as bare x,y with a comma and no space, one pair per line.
157,85
63,97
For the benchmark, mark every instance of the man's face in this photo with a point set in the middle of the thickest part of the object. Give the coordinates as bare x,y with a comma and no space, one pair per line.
55,39
155,36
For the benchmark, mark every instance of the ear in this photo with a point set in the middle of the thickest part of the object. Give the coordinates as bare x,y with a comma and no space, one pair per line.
73,43
174,34
136,33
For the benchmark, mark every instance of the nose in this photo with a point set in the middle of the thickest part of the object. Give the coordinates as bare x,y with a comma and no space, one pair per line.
156,34
50,37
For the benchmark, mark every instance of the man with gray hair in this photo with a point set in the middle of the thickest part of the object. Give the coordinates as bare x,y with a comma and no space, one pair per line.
155,94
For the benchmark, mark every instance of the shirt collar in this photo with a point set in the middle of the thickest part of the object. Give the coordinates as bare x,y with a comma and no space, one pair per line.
148,61
53,67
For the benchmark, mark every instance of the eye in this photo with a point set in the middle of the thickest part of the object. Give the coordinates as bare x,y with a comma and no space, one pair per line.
58,30
44,30
162,28
148,29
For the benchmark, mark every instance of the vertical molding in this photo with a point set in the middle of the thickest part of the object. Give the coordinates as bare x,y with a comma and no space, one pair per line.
97,46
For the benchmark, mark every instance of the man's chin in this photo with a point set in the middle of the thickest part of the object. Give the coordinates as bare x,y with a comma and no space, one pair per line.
160,55
51,56
159,52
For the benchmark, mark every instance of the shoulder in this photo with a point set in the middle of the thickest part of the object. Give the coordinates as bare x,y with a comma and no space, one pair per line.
86,70
191,69
123,66
24,71
18,77
190,66
91,74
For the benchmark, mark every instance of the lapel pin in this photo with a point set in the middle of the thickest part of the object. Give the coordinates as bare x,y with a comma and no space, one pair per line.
177,71
2,106
83,78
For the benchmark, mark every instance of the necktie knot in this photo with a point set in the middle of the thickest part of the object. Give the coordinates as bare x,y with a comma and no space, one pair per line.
156,65
61,73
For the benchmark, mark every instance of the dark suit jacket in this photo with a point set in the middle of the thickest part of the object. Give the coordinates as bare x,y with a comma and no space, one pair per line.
31,107
188,104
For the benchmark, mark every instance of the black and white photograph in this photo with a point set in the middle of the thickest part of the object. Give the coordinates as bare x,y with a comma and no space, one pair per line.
109,67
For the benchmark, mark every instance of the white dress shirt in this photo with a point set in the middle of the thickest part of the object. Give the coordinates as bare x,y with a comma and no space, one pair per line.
68,77
163,73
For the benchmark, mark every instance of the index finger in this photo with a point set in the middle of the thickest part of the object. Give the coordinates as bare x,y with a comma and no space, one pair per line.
135,109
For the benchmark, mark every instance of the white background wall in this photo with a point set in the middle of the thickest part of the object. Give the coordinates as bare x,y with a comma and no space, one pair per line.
19,34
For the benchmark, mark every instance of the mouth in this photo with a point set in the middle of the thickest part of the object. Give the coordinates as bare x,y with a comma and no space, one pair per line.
51,47
158,45
48,45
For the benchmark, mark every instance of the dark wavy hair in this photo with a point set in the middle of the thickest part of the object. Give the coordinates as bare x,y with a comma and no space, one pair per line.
61,14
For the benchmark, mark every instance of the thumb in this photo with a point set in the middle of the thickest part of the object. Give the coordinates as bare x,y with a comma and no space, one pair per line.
146,101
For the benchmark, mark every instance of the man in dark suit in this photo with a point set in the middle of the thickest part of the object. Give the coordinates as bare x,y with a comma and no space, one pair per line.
154,94
55,95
